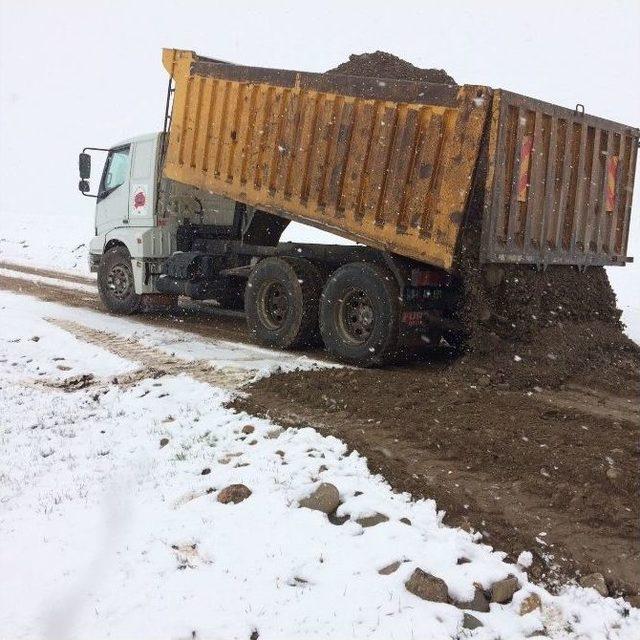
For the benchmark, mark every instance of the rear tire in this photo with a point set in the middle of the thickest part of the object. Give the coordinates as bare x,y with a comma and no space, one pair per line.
359,314
281,302
115,282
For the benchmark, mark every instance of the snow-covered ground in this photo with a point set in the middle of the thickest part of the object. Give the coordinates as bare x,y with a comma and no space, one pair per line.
53,241
111,528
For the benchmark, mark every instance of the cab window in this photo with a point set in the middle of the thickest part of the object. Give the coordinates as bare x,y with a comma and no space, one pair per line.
116,171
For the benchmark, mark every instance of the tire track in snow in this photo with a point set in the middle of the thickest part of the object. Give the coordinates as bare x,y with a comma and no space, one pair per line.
155,362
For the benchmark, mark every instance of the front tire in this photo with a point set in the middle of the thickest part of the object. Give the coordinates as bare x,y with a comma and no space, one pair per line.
281,302
359,314
115,282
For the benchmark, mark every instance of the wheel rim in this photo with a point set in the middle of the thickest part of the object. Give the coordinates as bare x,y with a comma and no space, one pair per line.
356,316
119,281
273,305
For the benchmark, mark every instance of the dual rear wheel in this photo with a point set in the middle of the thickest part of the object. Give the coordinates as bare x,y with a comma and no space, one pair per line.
356,313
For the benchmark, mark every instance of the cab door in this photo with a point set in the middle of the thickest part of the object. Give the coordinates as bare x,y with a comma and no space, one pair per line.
112,206
144,156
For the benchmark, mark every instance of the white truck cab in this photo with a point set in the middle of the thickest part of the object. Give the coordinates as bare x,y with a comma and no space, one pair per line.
126,212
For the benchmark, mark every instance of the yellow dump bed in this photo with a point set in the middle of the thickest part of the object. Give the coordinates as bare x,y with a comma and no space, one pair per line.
392,163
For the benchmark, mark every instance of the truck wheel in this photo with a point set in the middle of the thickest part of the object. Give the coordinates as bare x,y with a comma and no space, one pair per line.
359,314
115,282
281,302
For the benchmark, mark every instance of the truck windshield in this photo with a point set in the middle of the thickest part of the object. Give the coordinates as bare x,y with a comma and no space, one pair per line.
116,170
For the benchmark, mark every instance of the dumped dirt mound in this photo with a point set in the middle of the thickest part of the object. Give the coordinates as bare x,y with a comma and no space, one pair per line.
530,327
380,64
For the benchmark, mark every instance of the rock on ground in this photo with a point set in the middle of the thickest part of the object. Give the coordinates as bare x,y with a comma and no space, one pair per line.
390,568
427,587
479,602
372,521
595,581
234,493
530,603
503,590
470,622
325,498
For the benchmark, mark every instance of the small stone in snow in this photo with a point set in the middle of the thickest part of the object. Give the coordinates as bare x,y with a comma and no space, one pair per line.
405,521
372,521
530,603
503,590
325,498
337,520
479,602
248,429
427,587
205,472
470,622
595,581
35,338
234,493
164,442
390,568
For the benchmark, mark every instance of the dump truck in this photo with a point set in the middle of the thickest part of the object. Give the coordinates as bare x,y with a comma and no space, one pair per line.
401,168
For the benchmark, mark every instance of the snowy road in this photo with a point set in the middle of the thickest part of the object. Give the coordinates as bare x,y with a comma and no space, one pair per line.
111,527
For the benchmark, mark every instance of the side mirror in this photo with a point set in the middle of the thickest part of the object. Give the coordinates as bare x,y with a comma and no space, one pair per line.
84,164
84,187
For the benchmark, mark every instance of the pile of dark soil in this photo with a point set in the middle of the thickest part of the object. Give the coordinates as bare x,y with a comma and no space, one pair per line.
531,327
380,64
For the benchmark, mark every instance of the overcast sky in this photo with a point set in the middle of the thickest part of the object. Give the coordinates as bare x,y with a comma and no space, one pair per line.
76,73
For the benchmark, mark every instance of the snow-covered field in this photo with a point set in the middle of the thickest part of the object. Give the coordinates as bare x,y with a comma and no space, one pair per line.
111,528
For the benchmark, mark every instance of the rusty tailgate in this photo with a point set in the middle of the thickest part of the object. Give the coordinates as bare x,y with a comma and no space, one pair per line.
559,185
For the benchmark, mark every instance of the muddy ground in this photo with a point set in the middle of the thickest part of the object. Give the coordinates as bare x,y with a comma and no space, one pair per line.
554,472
